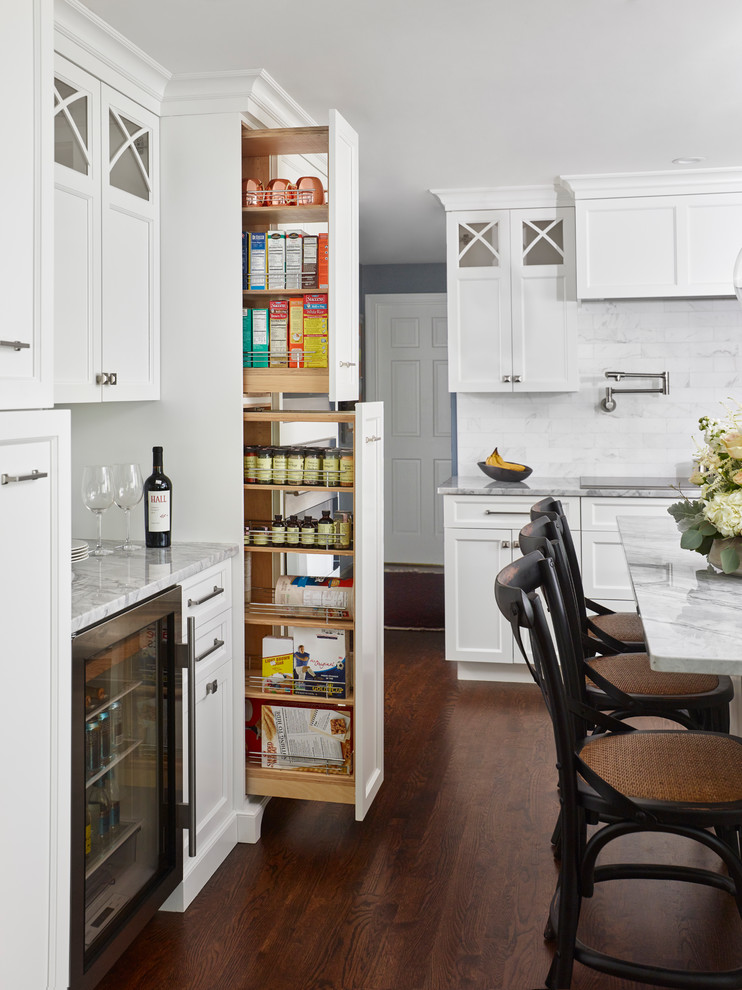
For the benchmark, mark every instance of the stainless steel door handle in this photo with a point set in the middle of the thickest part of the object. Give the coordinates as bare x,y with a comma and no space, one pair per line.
218,643
212,594
191,637
9,479
17,345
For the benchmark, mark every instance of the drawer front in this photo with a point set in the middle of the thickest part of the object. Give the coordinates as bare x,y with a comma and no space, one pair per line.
605,574
213,643
495,512
207,593
600,513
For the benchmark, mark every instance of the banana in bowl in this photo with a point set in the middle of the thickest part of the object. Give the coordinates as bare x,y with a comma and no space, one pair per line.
497,468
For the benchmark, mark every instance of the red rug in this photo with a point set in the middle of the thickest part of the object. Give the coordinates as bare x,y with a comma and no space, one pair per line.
413,599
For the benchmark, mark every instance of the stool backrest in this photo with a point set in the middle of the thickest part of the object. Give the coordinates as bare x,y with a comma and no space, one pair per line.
552,508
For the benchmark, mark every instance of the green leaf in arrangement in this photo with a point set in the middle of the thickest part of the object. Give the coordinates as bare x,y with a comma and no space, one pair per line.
707,528
729,560
691,539
685,510
705,547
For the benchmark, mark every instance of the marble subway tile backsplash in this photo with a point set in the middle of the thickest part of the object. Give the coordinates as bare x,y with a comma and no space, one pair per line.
699,341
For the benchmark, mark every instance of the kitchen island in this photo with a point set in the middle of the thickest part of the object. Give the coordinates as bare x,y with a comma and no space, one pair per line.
482,521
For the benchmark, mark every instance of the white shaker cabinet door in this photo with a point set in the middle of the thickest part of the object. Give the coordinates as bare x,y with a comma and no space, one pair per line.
35,700
26,251
369,596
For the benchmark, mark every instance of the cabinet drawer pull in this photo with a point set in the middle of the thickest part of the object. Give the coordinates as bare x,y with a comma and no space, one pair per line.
505,544
107,378
17,345
218,644
507,378
212,594
492,512
7,479
516,545
517,378
372,439
212,687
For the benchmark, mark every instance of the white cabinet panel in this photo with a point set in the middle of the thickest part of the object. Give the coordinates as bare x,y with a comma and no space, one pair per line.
26,245
604,571
601,513
474,627
471,511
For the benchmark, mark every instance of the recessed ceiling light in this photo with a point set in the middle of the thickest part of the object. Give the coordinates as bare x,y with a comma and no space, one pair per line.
687,161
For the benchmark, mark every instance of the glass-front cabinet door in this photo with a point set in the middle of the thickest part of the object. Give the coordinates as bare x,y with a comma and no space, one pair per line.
127,763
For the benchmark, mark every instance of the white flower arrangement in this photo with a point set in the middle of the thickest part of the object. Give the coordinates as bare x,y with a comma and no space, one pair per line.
717,513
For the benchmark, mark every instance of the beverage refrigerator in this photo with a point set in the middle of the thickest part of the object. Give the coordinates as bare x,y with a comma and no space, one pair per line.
127,788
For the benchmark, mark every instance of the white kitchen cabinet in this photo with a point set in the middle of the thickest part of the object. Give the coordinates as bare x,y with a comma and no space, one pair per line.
35,709
106,291
207,598
605,576
511,299
657,234
480,538
26,258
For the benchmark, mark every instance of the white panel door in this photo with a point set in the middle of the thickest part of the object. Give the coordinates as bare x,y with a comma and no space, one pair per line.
343,241
35,647
77,244
478,279
544,300
369,613
130,273
26,173
475,629
408,373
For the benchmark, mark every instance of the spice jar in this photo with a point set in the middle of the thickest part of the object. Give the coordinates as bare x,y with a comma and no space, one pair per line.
325,531
251,464
331,467
294,466
278,531
293,530
261,534
308,537
264,468
279,466
346,466
341,524
312,461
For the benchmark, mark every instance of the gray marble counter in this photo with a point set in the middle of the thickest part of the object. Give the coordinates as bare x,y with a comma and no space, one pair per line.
103,586
692,613
563,487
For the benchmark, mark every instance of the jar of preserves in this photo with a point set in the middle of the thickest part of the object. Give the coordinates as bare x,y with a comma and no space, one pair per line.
331,467
279,466
346,467
264,467
312,463
294,466
251,464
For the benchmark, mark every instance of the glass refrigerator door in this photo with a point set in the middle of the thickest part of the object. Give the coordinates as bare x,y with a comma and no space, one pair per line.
127,760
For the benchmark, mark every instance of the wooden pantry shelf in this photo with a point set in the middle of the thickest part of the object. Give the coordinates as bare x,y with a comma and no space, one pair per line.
261,618
258,143
254,217
304,380
310,785
299,416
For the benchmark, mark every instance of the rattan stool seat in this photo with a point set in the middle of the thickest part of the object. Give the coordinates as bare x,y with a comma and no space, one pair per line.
631,672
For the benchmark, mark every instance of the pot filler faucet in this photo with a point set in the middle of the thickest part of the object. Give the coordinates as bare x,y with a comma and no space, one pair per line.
609,403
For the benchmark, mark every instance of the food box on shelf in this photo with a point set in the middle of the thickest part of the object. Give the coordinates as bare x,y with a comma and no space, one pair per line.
319,662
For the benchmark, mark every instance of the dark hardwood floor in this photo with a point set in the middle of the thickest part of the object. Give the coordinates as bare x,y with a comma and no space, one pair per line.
444,886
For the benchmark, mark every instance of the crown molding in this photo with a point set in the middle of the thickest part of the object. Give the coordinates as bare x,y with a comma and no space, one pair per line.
667,183
252,92
502,198
86,39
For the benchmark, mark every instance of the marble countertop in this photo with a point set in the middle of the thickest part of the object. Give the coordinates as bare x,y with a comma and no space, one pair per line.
560,487
692,613
103,586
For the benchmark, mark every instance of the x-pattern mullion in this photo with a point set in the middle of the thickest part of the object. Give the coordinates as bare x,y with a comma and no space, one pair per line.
479,236
129,143
62,107
543,235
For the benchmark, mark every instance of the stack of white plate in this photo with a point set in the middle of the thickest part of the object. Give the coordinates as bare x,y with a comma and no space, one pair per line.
80,550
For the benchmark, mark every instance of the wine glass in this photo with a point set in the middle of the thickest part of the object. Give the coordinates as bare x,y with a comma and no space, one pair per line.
97,494
127,492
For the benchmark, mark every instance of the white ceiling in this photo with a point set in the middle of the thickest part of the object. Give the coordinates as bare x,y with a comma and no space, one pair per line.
474,93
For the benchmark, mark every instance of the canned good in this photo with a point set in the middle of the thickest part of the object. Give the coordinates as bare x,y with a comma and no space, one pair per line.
346,467
331,467
264,467
117,726
280,465
294,466
312,463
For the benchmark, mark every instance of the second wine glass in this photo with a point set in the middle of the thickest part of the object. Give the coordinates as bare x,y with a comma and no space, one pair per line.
97,494
127,492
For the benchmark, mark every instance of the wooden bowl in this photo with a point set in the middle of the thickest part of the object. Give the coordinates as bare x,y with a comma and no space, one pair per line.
505,474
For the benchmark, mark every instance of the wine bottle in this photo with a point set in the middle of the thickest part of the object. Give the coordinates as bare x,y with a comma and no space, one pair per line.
158,492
